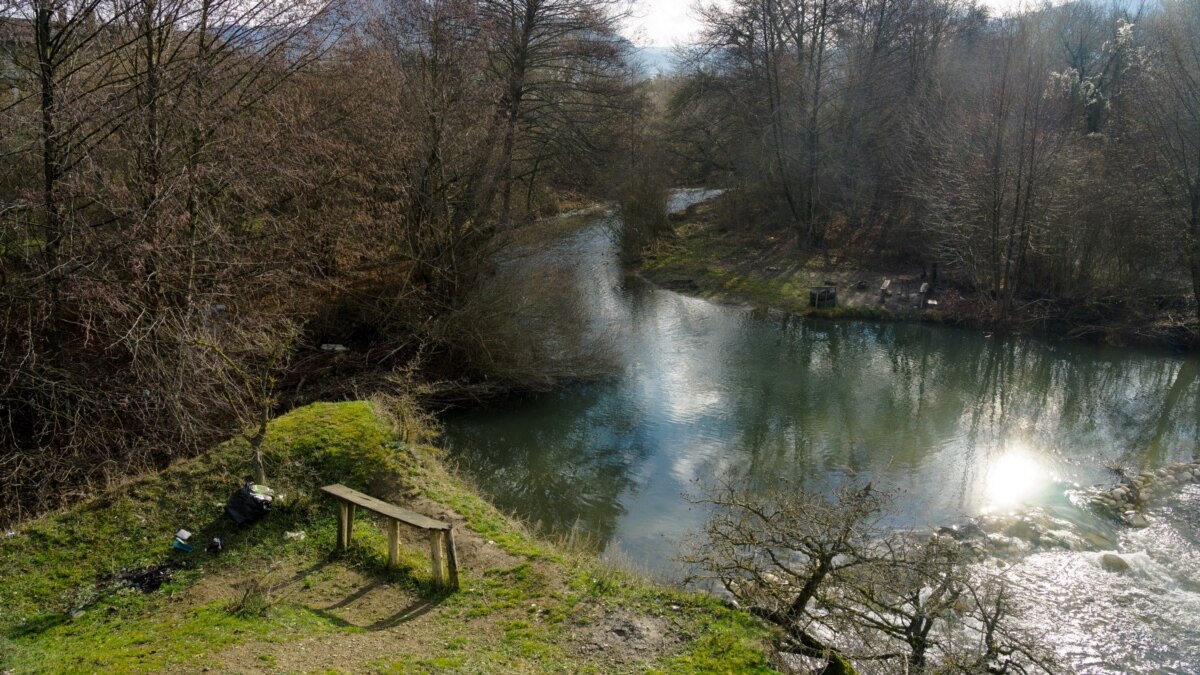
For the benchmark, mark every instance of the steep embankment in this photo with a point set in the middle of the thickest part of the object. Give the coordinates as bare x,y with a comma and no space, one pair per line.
97,588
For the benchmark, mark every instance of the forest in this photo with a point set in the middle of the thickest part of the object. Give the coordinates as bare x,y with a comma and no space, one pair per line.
212,211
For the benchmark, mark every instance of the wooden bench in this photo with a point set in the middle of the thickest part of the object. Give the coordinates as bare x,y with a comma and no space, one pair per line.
441,535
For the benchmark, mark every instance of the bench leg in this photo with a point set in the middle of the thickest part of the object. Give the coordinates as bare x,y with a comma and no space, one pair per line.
393,543
341,531
452,559
345,524
435,553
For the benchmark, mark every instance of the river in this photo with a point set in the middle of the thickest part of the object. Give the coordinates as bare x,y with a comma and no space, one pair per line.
957,422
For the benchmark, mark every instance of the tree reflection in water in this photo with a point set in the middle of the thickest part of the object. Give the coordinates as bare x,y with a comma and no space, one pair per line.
705,391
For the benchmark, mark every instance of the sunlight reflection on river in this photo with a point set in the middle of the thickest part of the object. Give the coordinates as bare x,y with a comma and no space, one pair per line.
957,424
1013,479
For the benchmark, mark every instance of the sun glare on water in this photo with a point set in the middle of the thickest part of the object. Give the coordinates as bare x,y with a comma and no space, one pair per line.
1012,478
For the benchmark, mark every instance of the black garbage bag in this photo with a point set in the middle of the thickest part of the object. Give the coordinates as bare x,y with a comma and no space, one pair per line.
250,503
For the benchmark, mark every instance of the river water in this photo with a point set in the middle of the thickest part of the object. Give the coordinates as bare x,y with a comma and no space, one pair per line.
957,422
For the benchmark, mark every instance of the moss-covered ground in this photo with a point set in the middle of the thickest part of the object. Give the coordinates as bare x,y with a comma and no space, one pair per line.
270,602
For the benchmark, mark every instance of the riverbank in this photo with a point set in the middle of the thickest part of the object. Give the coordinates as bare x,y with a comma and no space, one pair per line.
98,588
710,253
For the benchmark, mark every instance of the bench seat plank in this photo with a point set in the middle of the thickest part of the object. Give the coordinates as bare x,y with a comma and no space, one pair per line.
383,508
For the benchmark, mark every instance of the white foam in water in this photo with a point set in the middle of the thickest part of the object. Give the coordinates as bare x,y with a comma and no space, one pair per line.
1142,620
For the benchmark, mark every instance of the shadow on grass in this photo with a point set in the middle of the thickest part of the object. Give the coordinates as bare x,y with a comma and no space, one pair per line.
35,626
416,608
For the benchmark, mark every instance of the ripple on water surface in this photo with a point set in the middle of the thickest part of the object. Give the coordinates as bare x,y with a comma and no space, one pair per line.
958,423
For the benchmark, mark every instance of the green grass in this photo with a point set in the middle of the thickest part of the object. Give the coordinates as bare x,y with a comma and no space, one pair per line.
727,642
51,562
57,614
151,640
702,253
785,292
440,486
54,567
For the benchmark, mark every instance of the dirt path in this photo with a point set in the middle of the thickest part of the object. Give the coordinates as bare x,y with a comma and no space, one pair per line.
511,610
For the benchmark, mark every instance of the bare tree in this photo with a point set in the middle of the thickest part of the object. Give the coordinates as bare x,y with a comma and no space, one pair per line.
542,51
992,191
1171,114
250,364
846,588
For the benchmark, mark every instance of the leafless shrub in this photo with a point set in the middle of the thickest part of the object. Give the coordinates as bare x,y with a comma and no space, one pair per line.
843,586
525,333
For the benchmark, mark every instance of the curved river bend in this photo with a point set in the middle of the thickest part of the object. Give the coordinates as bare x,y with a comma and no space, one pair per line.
960,423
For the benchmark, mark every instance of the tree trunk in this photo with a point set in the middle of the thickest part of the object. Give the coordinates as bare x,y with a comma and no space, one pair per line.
256,441
51,168
1194,231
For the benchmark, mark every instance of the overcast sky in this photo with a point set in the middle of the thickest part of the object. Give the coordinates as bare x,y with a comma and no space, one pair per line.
662,23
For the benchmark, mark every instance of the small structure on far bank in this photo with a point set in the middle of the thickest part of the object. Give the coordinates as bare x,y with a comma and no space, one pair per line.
907,288
822,296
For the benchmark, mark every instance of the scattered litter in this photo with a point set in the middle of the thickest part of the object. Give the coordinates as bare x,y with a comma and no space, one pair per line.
180,542
250,503
215,546
144,579
334,348
294,535
10,533
77,614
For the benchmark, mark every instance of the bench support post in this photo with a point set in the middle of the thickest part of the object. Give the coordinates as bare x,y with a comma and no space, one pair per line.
435,553
393,530
452,559
345,524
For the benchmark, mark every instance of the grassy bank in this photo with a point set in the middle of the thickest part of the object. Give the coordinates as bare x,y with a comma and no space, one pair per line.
717,252
73,596
706,255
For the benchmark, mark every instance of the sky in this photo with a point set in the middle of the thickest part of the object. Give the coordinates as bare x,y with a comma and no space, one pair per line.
663,23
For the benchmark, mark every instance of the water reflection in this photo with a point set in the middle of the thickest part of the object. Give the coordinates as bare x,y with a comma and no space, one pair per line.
959,422
573,470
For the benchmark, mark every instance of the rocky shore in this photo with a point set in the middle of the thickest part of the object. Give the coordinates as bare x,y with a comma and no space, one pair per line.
1126,500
